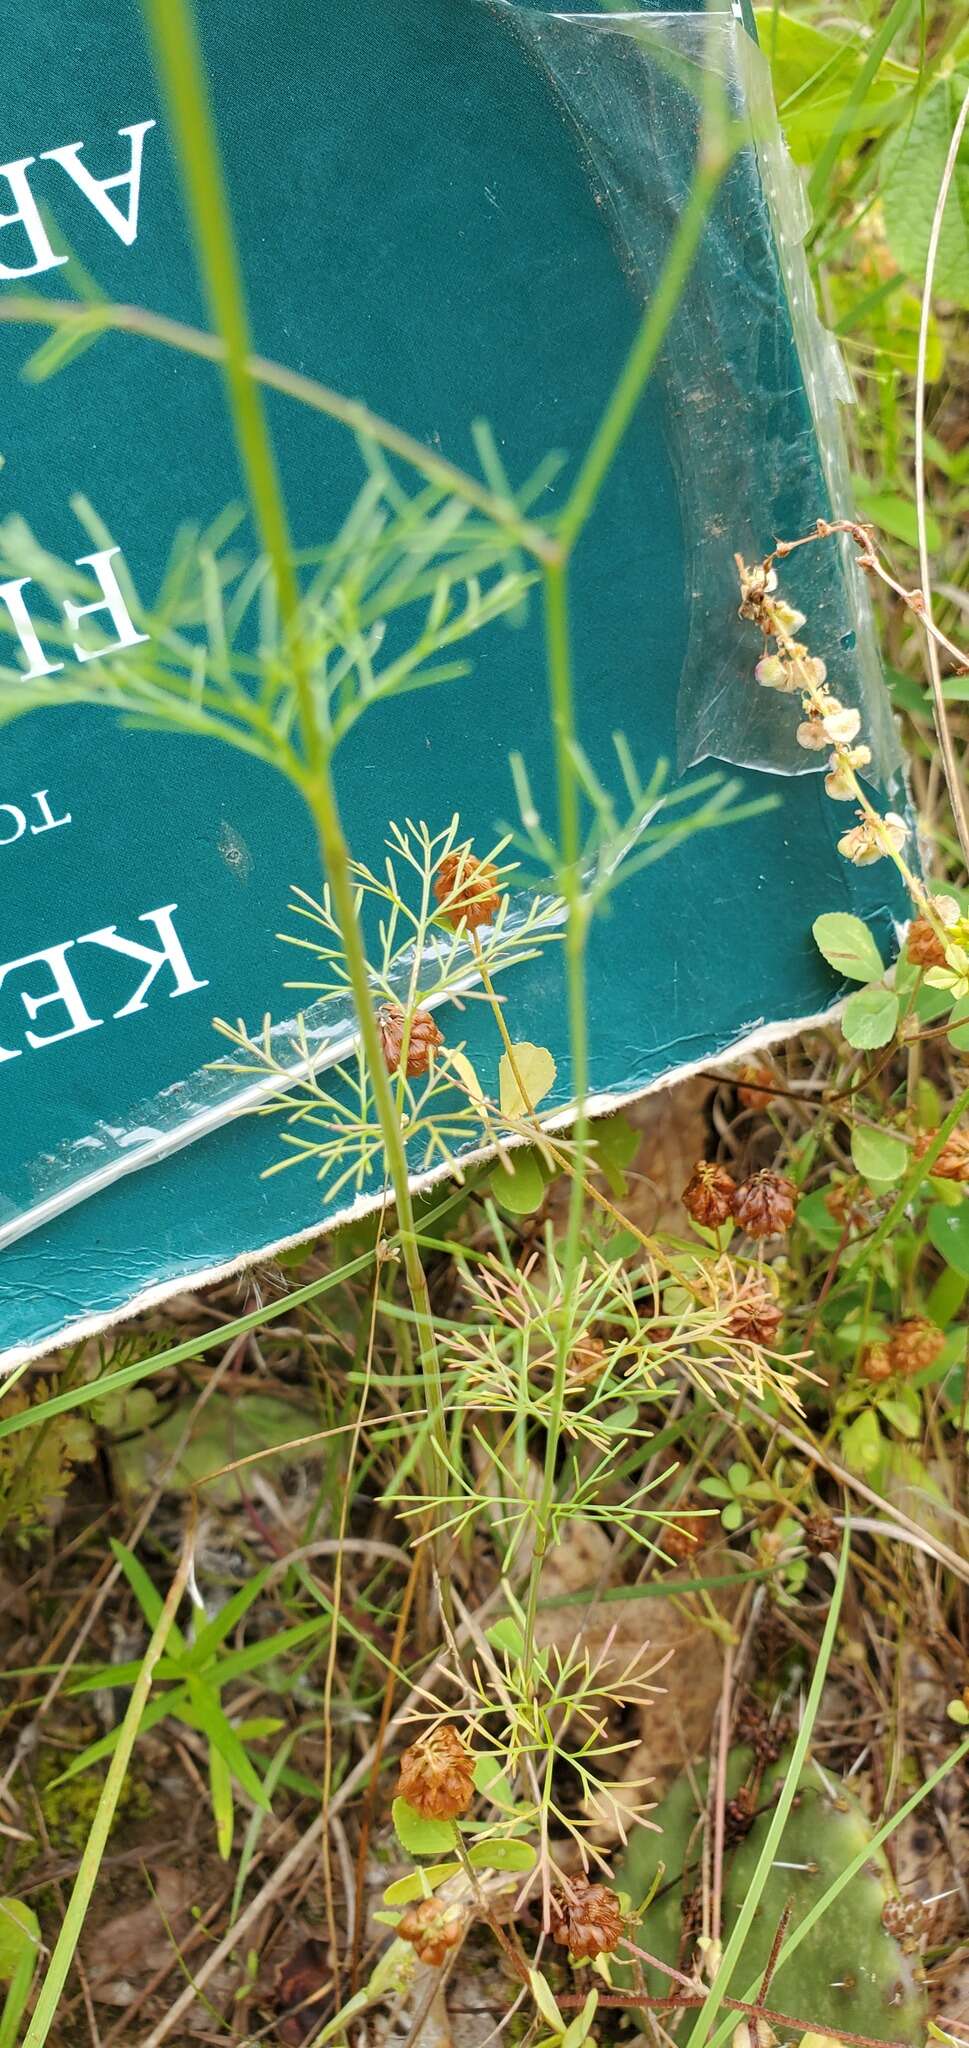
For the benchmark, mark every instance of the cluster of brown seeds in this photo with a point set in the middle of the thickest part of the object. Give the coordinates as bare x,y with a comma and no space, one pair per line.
432,1929
953,1160
468,890
820,1533
851,1203
437,1775
763,1205
740,1814
422,1040
469,893
682,1539
756,1087
909,1348
923,944
756,1316
585,1918
764,1735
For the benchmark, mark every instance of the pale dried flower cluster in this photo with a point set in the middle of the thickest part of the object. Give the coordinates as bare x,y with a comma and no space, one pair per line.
827,724
946,962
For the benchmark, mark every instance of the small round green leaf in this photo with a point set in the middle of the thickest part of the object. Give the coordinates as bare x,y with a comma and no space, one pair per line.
862,1443
422,1837
848,946
949,1232
502,1635
959,1025
521,1191
879,1156
525,1076
20,1937
904,1411
506,1855
870,1017
418,1883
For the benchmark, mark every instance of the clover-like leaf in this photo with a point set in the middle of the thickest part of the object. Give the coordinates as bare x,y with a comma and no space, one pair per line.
880,1156
422,1837
525,1076
870,1017
848,946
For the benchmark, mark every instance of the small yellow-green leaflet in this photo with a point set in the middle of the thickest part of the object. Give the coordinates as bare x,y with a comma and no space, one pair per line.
525,1076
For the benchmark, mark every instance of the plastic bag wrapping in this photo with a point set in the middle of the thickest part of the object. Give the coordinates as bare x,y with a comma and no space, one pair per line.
753,383
321,1036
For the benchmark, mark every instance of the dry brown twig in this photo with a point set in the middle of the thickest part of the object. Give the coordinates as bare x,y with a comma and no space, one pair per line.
918,601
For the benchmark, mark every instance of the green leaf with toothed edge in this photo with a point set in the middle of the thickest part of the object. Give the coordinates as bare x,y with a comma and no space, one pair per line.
870,1017
422,1837
880,1156
847,946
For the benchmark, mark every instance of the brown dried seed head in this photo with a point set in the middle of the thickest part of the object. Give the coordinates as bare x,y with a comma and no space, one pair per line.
422,1042
756,1317
708,1194
586,1918
682,1539
876,1364
755,1087
953,1160
820,1534
914,1344
432,1929
766,1737
468,890
924,947
765,1204
437,1775
739,1814
850,1203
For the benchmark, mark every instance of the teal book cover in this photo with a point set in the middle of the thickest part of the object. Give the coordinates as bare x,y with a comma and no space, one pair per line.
453,213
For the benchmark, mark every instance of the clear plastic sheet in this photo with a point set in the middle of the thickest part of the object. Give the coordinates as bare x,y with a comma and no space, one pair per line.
752,397
323,1034
734,380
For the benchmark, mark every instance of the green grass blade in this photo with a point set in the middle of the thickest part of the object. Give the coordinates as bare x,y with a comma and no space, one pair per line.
895,22
741,1929
64,1949
146,1594
215,1631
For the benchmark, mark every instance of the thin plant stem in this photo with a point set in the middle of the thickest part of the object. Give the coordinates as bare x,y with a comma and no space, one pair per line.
337,1596
22,310
561,698
954,779
742,1924
180,65
80,1899
714,156
869,559
910,1186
